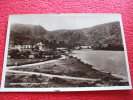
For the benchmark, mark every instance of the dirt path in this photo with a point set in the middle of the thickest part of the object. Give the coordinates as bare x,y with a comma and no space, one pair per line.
39,63
48,75
51,76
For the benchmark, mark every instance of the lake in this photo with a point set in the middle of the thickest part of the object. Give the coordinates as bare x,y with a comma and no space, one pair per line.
109,61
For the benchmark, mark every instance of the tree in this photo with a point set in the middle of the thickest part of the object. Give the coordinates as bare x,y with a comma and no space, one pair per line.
33,43
14,54
18,42
25,54
51,37
46,43
54,44
61,44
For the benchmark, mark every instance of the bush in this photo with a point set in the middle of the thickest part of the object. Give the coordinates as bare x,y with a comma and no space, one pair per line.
49,52
56,56
25,54
14,53
37,55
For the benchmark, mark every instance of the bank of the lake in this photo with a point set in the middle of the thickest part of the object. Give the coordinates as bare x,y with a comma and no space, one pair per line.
108,61
68,72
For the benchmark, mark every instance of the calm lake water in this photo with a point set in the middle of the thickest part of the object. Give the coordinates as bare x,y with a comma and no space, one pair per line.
109,61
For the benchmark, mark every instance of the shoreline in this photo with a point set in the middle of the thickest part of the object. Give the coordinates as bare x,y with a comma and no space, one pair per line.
96,68
65,72
104,61
64,57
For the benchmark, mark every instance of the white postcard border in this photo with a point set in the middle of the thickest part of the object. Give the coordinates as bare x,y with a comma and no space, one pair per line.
3,89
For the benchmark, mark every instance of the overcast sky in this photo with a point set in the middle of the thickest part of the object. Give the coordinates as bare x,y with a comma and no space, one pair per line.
64,21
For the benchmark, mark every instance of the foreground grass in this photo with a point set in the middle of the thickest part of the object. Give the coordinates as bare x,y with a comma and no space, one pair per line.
14,80
69,67
11,62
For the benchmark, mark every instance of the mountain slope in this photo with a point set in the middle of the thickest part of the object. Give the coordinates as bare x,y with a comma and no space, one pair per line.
26,33
109,33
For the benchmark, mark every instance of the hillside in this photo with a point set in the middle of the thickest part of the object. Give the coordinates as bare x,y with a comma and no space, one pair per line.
109,33
26,34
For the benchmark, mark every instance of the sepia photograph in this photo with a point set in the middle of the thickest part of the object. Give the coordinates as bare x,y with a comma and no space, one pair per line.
65,52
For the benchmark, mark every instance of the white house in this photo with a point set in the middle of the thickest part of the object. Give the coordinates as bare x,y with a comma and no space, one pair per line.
85,47
28,47
41,46
17,47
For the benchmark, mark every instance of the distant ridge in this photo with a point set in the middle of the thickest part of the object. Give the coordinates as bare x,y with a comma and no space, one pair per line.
109,33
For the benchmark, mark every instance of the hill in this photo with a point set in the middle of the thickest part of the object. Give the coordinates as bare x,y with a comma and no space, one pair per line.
108,33
26,34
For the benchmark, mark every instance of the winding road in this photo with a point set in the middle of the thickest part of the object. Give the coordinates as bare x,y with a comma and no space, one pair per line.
9,69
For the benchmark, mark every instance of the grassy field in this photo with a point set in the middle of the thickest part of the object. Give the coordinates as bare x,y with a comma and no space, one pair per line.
11,62
66,67
69,67
14,80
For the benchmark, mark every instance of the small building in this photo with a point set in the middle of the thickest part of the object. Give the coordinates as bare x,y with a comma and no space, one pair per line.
104,45
26,47
62,49
85,47
22,47
31,56
40,46
17,47
78,48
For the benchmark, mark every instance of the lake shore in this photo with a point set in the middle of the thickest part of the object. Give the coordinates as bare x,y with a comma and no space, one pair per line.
104,60
68,66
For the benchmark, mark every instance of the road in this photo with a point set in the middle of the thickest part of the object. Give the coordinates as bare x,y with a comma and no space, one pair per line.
51,76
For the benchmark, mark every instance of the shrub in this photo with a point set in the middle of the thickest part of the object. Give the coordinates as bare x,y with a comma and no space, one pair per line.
37,55
25,54
14,53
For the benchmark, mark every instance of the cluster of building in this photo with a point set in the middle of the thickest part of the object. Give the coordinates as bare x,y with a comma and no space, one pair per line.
39,46
83,47
27,47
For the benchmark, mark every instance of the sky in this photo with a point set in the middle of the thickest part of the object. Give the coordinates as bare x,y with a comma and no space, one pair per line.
64,21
